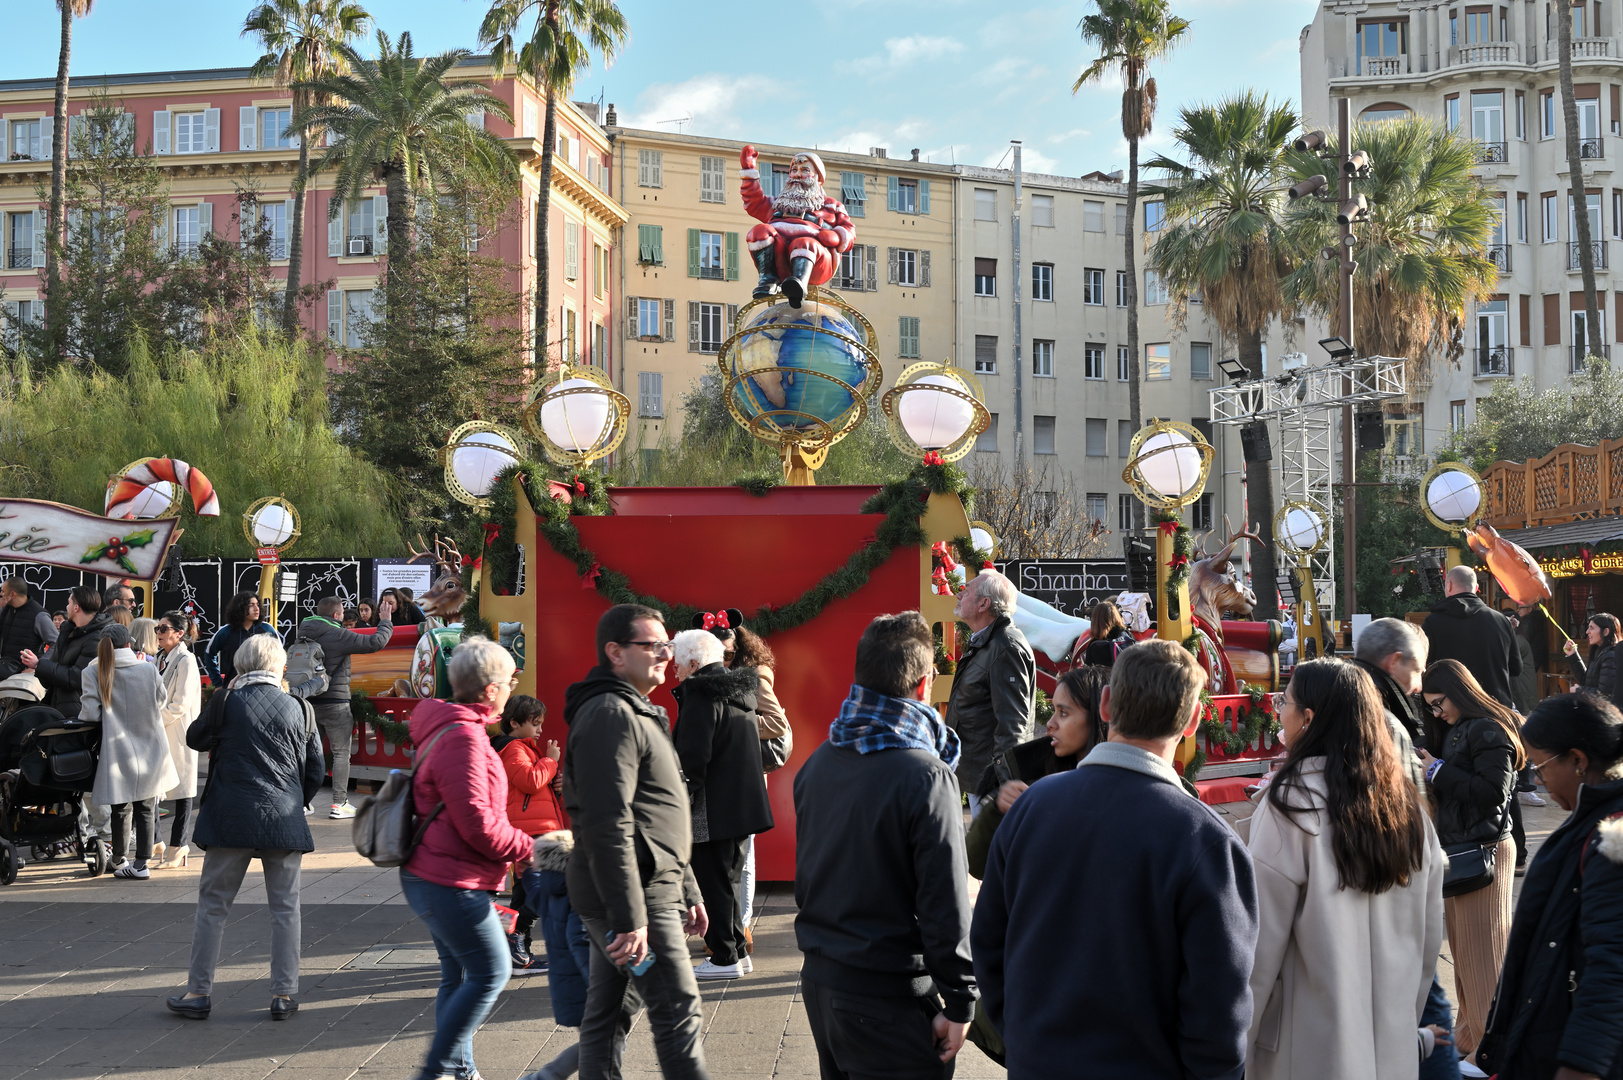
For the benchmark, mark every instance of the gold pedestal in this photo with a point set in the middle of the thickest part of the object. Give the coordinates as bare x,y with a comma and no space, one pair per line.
1310,628
800,465
1171,625
267,593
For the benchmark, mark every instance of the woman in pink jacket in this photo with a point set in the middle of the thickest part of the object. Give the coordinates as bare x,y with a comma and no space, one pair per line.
460,788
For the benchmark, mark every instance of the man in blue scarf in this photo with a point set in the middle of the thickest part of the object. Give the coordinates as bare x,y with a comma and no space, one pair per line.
880,873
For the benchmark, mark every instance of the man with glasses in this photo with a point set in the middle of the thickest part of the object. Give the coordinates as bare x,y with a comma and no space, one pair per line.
629,877
119,596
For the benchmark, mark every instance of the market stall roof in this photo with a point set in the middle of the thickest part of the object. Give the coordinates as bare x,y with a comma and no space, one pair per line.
1591,531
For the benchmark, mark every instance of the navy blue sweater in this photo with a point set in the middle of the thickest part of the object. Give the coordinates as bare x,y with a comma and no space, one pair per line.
1115,930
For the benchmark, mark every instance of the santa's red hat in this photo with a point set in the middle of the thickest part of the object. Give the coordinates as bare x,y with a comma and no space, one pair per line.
816,163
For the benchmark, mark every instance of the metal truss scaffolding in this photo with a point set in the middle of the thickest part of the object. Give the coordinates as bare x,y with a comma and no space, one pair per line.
1304,403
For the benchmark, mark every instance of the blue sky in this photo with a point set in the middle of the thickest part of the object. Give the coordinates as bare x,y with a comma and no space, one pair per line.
956,78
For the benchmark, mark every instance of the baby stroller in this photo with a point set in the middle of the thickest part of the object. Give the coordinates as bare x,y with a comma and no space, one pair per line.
47,765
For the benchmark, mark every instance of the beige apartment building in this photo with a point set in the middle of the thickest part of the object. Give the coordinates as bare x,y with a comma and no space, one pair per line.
1489,69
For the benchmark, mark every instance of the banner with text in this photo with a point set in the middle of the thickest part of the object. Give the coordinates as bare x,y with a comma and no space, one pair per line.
46,532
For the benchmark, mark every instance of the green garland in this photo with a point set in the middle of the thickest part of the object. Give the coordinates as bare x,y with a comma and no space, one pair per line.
393,731
901,501
759,484
1257,721
1183,545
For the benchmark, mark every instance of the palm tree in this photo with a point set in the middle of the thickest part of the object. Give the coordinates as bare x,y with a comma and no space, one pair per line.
1128,35
1575,174
559,51
301,39
397,121
1421,257
1225,241
70,9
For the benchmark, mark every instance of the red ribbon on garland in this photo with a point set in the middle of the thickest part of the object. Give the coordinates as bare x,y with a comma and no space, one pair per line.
987,565
1177,561
932,457
588,580
580,485
1169,527
492,530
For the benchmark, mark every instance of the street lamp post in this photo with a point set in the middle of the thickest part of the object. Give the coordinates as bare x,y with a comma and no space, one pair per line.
1167,466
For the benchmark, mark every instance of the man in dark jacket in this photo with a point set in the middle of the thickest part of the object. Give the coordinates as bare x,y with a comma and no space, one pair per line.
1160,988
719,744
332,707
993,705
1464,628
75,648
24,624
880,874
629,877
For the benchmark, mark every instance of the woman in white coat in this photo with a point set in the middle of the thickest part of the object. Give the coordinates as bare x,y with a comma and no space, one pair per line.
183,701
1350,892
125,693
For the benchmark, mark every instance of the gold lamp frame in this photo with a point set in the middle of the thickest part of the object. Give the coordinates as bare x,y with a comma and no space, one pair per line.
1482,500
803,451
614,427
969,389
1283,541
458,439
997,541
1309,619
1135,480
258,505
176,498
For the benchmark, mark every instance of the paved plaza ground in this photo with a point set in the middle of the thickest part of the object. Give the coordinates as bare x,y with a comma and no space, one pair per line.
85,965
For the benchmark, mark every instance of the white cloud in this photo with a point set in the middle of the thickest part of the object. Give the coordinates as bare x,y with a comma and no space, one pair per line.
901,52
1067,136
711,100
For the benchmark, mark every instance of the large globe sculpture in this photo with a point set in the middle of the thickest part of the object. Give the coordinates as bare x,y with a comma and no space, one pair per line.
800,377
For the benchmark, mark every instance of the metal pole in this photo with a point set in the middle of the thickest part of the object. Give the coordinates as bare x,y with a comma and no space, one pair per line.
1019,375
1349,515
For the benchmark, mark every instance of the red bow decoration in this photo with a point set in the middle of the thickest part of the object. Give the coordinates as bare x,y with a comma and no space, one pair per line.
932,457
589,579
987,565
718,619
1177,561
580,485
1169,527
492,530
1587,556
468,560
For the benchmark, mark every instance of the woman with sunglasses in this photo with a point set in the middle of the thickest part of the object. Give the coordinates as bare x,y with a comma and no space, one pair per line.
1473,779
1561,994
178,669
1600,672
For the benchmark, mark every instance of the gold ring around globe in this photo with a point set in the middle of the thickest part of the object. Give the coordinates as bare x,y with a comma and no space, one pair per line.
891,403
1289,522
830,431
271,522
614,424
814,297
727,354
1180,437
1452,524
481,440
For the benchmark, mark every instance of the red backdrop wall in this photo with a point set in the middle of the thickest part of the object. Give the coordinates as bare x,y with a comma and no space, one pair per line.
717,548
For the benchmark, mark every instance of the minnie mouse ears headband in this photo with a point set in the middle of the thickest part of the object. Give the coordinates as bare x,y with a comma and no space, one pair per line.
725,619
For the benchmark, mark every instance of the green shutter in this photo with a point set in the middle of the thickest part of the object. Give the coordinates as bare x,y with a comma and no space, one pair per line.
693,253
659,243
645,244
732,256
892,198
924,197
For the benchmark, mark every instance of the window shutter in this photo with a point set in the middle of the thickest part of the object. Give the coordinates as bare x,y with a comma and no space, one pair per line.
160,228
693,326
335,315
659,168
924,269
732,318
657,386
871,261
670,319
205,219
287,235
335,227
892,278
632,329
39,237
693,253
892,199
5,143
476,120
47,132
731,249
571,250
1121,219
380,224
924,197
1552,320
211,130
247,127
644,170
76,127
659,243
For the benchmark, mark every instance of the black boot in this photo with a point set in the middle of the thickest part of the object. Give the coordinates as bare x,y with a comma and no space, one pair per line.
766,261
799,280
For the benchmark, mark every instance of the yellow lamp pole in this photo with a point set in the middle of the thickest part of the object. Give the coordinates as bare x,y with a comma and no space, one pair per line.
1168,463
272,525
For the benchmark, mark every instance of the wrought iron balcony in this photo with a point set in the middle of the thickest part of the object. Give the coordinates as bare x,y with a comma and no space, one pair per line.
1492,152
1499,255
20,258
358,245
1597,247
1494,361
1591,149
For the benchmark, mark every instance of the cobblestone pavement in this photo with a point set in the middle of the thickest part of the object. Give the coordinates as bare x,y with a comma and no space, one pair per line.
85,965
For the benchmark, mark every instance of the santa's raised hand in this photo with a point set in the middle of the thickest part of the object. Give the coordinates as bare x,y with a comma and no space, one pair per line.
747,158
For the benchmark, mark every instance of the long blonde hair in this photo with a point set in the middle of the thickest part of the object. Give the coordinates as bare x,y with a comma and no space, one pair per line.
104,670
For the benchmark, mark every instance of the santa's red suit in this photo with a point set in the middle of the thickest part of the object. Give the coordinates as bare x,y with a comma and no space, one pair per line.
820,235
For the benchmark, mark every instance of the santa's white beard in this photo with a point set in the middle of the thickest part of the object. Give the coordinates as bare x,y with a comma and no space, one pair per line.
798,198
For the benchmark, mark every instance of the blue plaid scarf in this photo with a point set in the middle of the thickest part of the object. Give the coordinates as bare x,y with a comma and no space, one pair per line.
870,721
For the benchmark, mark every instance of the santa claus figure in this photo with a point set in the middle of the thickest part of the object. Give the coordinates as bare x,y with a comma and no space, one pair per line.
802,233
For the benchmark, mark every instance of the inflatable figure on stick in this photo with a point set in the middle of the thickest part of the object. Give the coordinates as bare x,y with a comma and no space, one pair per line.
802,233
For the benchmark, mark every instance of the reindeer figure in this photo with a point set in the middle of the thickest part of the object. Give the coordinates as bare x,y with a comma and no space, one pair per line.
443,602
1214,588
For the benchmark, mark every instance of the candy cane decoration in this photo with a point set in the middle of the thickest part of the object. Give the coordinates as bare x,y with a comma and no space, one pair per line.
125,489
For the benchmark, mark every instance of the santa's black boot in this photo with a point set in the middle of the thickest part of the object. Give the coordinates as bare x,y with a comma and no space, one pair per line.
799,280
766,261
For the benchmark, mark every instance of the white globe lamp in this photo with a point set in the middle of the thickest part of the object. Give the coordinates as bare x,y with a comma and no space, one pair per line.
1168,465
933,418
474,454
935,409
1453,496
272,525
577,416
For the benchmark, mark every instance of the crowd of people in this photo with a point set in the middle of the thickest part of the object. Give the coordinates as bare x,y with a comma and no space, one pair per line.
1122,927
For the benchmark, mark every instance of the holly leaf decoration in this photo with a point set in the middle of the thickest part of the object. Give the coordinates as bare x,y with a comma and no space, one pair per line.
118,550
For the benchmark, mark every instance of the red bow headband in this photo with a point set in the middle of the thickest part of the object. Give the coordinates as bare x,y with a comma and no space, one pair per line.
711,621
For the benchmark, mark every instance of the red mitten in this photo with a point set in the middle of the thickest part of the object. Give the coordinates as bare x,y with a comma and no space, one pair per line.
747,157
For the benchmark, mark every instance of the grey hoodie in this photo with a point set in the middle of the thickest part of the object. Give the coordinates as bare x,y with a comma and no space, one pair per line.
337,646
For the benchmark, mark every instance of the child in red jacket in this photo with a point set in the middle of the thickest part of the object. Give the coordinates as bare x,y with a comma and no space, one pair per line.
532,802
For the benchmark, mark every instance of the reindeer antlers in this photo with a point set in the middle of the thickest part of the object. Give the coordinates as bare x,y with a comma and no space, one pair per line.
1224,553
444,551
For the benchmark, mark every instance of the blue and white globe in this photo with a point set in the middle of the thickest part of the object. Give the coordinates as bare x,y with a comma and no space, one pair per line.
775,366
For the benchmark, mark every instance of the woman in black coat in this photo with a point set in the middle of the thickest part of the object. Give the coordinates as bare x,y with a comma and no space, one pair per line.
719,744
1559,1011
1600,673
265,765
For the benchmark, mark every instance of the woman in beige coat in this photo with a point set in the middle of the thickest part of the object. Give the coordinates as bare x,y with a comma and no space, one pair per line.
184,702
125,695
1350,892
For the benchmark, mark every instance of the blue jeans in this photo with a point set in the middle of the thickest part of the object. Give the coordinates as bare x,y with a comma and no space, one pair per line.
1444,1063
474,966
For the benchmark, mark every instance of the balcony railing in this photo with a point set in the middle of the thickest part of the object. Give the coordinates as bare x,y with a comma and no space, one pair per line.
1591,149
1499,255
1586,47
1576,355
19,258
1492,152
1500,52
1377,66
1494,361
1597,247
1399,467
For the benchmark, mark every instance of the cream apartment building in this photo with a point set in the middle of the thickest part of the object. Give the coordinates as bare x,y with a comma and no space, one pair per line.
1489,70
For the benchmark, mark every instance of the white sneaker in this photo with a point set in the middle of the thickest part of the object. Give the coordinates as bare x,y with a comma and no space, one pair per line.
341,811
1467,1069
309,809
1530,798
745,965
712,970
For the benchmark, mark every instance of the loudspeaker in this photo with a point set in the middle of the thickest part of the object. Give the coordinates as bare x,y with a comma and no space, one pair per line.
1254,445
1140,556
1371,430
